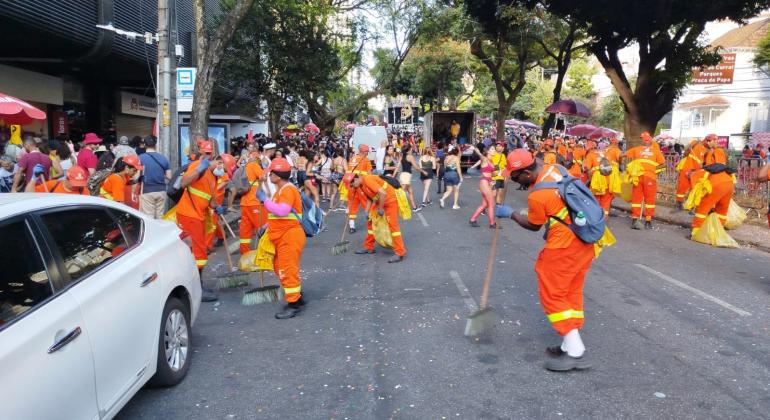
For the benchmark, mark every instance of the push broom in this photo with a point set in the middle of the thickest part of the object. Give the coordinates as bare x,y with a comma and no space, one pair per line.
234,278
342,246
485,317
261,294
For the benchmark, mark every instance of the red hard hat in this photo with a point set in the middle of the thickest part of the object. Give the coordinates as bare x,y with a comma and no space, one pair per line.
279,165
205,146
548,142
363,148
134,162
518,159
348,178
711,137
77,176
228,160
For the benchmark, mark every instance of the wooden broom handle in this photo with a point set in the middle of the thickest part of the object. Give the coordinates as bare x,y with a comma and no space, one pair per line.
224,239
491,260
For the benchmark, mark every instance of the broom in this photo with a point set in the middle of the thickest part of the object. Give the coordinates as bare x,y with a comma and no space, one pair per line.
234,278
342,246
485,317
232,247
261,294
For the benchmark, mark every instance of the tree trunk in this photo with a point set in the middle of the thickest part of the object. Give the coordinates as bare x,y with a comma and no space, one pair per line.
503,108
210,53
635,124
562,72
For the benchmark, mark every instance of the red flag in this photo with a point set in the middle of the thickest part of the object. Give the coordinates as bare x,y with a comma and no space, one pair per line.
250,137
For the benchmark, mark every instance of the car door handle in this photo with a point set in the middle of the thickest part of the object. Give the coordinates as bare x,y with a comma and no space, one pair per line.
149,279
65,340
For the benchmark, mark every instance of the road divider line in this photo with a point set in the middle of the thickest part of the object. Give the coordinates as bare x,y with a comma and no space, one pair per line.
422,219
467,298
698,292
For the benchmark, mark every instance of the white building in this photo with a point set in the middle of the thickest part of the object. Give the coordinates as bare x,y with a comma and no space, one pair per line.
738,105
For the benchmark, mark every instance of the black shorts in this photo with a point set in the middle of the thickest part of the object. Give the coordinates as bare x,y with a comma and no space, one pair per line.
499,184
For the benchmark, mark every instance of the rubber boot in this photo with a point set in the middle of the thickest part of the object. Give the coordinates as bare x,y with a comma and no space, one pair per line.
290,310
648,225
207,295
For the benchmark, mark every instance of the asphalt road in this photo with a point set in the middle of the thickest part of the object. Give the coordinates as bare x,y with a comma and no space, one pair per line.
675,330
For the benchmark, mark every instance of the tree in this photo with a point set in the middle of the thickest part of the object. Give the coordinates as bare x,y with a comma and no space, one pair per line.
579,85
762,54
210,50
502,38
668,36
535,97
610,113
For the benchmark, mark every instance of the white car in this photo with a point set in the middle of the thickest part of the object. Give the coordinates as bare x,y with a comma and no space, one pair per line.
96,300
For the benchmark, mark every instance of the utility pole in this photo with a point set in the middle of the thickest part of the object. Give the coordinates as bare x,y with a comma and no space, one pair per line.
166,99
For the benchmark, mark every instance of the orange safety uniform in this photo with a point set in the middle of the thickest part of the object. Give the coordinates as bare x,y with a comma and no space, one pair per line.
220,199
564,261
562,150
192,208
57,186
722,188
549,157
578,155
692,162
592,162
647,188
287,235
613,153
114,188
253,213
369,190
359,165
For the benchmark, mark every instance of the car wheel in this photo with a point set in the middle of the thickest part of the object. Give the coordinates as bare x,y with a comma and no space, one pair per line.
174,350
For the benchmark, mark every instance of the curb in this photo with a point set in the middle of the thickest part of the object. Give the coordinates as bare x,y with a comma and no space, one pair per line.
672,221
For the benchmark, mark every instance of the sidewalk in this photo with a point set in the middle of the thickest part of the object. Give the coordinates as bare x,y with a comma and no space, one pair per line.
747,234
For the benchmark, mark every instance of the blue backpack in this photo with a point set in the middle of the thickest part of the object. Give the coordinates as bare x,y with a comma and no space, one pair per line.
578,199
312,217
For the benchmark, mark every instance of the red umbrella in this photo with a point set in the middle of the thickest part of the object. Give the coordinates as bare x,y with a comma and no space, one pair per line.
569,107
16,111
603,132
581,130
312,127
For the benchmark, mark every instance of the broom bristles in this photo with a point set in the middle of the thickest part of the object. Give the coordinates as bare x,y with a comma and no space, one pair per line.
480,322
233,247
340,248
261,295
233,280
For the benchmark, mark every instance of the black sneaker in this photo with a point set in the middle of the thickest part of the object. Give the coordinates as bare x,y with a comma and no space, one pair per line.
290,310
351,230
473,223
396,258
566,363
648,225
494,226
365,251
555,351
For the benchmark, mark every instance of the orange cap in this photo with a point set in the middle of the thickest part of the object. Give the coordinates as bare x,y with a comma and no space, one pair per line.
517,160
646,137
279,165
228,160
363,148
134,162
77,176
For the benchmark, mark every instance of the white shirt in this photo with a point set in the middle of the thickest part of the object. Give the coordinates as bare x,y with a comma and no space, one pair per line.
379,162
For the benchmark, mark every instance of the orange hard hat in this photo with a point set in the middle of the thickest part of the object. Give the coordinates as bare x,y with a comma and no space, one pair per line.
228,160
134,162
348,178
548,142
205,146
363,148
518,159
279,165
77,176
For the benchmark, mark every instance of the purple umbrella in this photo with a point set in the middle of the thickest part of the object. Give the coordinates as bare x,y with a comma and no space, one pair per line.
603,132
569,107
581,130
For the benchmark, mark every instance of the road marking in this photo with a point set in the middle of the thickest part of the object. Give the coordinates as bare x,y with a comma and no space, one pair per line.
422,219
698,292
469,302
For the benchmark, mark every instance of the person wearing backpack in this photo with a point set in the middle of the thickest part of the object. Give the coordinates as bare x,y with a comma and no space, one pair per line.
285,230
253,214
565,259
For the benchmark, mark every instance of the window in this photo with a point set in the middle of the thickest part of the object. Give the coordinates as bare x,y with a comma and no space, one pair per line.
132,226
697,119
24,281
86,238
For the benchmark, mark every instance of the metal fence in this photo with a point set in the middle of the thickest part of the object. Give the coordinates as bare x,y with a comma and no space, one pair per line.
749,194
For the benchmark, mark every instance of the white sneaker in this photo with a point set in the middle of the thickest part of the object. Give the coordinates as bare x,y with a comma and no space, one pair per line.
455,207
441,202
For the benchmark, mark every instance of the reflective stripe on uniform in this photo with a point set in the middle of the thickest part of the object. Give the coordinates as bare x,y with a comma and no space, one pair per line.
287,217
357,172
649,206
680,195
562,214
352,216
289,290
371,232
722,217
700,216
394,234
199,193
103,193
201,262
636,205
245,241
568,314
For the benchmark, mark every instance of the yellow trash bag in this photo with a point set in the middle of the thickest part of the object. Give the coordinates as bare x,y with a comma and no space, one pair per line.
615,184
247,261
736,215
403,205
171,215
634,170
608,239
626,190
381,231
701,189
343,189
265,253
598,183
712,233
